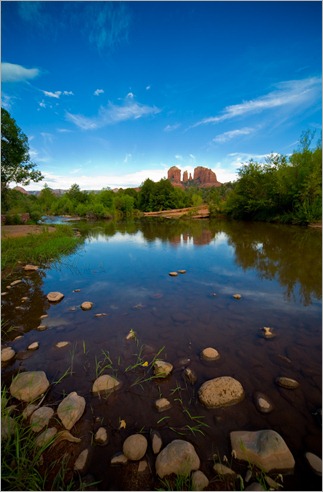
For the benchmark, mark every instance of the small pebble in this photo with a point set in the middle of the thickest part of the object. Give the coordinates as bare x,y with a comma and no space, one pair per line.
86,305
315,463
61,344
33,346
181,271
287,383
173,274
237,296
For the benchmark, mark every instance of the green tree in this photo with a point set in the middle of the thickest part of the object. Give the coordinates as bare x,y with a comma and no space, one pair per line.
16,165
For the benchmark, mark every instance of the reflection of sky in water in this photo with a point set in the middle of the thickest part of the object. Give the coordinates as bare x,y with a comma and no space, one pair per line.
126,267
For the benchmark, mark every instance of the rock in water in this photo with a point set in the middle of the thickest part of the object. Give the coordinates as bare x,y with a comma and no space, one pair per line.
27,386
178,457
221,392
135,447
55,296
86,305
105,384
287,383
162,369
7,354
265,449
199,480
40,418
71,409
315,463
210,353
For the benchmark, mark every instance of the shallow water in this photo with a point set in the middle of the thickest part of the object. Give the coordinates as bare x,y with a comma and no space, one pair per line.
124,270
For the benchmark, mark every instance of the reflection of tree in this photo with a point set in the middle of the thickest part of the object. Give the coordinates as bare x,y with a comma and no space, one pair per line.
290,254
18,315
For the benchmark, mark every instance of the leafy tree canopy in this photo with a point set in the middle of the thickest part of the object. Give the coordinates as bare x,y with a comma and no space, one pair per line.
16,165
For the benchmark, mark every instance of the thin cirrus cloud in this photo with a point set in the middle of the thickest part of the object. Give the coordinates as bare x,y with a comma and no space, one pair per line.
57,94
288,93
112,113
12,72
226,136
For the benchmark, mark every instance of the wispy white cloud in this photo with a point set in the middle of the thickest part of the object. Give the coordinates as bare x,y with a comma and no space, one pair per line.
127,158
226,136
10,72
171,128
148,87
58,94
288,94
97,92
112,113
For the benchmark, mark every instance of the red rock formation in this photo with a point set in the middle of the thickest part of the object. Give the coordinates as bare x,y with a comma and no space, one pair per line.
203,177
174,176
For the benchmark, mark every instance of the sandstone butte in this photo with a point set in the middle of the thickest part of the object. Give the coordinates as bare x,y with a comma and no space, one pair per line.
202,177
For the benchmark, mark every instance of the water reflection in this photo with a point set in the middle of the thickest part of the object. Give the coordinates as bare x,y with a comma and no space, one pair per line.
288,254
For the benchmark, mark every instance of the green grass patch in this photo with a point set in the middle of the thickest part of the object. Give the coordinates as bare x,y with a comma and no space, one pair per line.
37,248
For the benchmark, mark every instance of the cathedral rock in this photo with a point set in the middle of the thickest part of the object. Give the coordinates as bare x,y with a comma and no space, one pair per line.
203,177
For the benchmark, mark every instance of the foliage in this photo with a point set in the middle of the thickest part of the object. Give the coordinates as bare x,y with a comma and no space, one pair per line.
37,248
281,189
16,165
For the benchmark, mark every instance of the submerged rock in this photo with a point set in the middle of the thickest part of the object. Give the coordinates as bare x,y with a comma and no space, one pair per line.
177,457
33,346
237,296
162,404
156,441
265,449
7,354
55,296
263,403
101,436
30,268
287,383
223,470
315,463
135,447
199,480
81,462
173,274
105,384
220,392
46,437
210,353
27,386
162,369
71,409
86,306
190,375
40,418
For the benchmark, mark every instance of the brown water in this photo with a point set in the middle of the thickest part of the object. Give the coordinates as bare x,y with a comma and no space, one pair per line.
123,269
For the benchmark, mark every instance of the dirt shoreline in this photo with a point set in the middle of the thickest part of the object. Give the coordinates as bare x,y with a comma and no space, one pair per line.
8,231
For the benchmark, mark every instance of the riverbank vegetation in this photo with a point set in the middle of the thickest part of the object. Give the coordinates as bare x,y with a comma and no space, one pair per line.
285,189
37,248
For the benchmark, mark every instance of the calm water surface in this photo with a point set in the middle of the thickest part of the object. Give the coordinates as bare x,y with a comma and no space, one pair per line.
124,270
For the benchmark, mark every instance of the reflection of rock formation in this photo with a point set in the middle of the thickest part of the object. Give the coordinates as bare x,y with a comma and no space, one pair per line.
204,237
203,177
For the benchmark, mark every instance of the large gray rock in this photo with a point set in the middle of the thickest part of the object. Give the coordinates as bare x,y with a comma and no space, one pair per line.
178,457
221,392
27,386
265,449
71,409
105,384
135,447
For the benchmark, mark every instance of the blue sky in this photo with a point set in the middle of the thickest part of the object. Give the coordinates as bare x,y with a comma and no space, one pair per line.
112,93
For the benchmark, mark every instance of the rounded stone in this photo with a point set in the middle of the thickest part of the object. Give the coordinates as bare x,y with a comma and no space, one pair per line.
7,354
71,409
55,296
41,327
162,369
181,271
104,384
287,383
210,353
173,274
135,447
315,463
263,403
40,418
101,436
199,480
162,404
30,268
86,306
33,346
61,344
237,296
27,386
177,457
221,392
45,437
81,461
